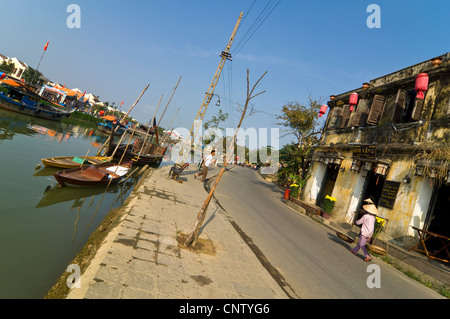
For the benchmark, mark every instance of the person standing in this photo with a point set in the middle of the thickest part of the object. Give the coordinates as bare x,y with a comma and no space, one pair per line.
367,222
208,161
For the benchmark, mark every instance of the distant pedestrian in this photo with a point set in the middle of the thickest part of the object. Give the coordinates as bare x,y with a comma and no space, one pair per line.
367,222
208,161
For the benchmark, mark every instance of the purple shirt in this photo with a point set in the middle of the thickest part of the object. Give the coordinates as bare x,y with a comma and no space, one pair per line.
368,224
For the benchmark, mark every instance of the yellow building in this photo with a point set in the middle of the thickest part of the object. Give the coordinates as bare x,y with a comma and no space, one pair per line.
392,144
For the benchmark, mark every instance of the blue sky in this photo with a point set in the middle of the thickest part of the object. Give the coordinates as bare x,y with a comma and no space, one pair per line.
315,48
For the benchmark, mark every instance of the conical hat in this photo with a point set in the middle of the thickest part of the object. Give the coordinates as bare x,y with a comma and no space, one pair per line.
371,209
368,201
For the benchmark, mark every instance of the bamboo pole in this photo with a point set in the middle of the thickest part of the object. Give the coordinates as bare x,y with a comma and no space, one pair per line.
82,163
149,127
191,238
174,89
124,117
165,137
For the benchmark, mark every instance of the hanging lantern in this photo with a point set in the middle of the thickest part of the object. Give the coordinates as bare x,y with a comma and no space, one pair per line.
2,75
419,171
323,110
421,85
353,100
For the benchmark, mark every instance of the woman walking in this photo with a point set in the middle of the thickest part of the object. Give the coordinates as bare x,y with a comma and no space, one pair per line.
367,223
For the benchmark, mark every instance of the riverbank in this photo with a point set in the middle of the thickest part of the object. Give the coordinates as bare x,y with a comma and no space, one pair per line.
83,259
135,254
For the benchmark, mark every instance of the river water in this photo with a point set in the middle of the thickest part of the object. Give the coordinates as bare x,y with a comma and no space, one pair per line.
43,226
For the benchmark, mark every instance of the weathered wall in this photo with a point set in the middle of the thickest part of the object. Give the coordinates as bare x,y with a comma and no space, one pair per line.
397,142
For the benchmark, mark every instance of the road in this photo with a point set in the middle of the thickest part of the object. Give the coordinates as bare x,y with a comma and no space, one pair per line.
305,257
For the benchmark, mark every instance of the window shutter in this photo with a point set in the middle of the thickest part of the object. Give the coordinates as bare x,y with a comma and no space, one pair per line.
345,116
332,119
337,114
399,106
418,105
376,110
360,117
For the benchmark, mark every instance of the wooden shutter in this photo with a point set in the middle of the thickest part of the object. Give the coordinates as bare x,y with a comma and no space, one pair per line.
399,106
417,110
337,117
376,110
345,116
332,121
360,116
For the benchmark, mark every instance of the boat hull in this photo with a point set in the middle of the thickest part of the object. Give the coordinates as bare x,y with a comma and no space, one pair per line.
105,128
32,110
153,159
92,175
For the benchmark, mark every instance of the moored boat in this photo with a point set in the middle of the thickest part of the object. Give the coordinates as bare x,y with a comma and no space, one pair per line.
108,123
29,103
93,175
152,157
74,161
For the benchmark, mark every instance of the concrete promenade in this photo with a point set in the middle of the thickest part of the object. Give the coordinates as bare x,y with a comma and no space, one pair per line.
140,257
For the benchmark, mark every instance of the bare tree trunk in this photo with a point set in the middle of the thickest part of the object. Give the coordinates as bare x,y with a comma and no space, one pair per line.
191,238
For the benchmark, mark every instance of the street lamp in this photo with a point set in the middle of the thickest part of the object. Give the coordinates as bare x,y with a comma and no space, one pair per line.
218,98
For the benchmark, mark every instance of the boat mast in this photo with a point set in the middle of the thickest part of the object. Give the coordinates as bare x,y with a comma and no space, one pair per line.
225,55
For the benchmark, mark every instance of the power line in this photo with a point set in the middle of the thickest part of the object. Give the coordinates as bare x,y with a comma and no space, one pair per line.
237,48
254,22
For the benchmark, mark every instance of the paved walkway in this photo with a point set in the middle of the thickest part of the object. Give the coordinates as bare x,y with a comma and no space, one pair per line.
140,258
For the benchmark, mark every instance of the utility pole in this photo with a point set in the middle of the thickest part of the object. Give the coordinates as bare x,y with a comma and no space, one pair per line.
225,55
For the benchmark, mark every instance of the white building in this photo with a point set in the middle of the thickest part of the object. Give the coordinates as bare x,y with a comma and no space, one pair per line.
19,68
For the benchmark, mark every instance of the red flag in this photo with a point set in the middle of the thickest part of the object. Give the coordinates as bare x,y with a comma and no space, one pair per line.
46,46
122,102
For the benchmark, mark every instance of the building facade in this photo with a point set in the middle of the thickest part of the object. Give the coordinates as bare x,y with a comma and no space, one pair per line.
389,140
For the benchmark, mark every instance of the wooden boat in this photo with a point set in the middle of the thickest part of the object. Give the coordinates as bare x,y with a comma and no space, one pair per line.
107,125
74,161
29,103
93,175
152,157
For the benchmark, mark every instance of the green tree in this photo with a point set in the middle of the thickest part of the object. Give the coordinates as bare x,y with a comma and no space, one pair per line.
7,67
214,122
31,76
303,122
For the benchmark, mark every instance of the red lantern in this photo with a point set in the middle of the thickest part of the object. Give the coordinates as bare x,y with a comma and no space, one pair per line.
323,110
353,100
2,75
421,85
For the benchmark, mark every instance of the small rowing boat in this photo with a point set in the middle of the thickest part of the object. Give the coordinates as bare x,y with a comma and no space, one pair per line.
93,175
74,161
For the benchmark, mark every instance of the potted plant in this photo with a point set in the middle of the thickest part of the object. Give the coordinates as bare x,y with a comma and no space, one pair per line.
294,190
327,206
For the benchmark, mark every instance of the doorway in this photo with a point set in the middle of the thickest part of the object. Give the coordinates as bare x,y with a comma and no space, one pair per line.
438,220
328,182
372,189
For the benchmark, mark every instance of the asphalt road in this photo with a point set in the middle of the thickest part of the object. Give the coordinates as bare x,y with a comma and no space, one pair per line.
305,257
